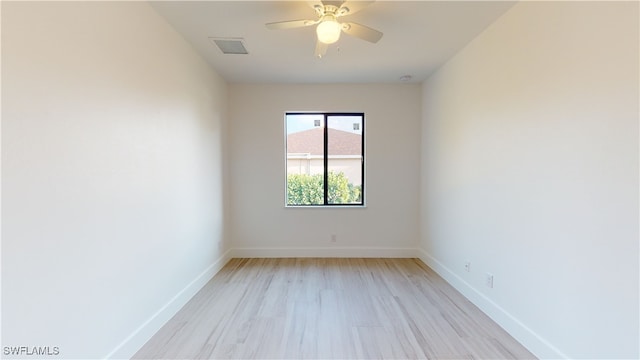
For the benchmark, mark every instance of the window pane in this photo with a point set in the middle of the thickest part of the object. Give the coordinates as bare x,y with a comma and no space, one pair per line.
305,159
345,160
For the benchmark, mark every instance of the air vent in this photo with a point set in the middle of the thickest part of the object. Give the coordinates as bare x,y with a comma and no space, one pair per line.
230,45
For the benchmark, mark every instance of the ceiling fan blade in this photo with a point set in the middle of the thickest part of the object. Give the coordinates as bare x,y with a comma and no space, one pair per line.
352,7
321,49
362,32
290,24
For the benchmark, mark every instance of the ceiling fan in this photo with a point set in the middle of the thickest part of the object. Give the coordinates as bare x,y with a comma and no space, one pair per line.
329,29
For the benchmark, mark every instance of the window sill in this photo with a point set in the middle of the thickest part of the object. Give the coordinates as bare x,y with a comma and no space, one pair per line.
325,206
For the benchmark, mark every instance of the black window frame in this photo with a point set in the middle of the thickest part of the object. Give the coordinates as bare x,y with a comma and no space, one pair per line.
326,115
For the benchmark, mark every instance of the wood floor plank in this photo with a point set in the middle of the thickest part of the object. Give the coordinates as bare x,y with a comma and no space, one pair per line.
330,309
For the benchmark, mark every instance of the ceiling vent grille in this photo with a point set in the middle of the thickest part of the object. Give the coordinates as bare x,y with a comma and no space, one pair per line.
230,45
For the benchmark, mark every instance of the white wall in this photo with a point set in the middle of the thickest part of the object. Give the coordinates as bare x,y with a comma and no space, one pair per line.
112,163
530,171
262,226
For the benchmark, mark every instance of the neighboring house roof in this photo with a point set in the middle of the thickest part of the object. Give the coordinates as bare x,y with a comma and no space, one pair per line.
311,141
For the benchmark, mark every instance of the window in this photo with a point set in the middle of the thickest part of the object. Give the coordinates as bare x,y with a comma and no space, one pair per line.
325,159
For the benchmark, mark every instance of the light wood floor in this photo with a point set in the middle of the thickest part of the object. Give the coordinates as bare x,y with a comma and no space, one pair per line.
330,309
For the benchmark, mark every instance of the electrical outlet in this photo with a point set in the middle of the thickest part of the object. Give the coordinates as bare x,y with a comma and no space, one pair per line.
489,280
334,237
467,266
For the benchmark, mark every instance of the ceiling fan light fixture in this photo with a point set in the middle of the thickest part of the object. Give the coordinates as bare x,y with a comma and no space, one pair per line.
328,30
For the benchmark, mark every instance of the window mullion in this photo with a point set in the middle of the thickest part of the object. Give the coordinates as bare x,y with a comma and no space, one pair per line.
326,159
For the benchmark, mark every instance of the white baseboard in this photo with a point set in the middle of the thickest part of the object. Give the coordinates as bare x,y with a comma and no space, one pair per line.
142,334
328,252
527,337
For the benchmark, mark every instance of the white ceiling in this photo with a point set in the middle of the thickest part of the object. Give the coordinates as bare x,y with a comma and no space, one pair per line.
419,36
